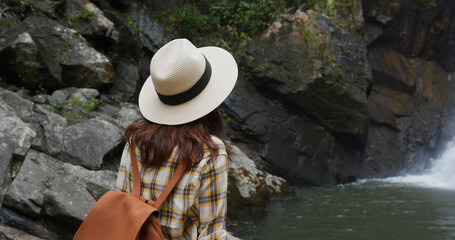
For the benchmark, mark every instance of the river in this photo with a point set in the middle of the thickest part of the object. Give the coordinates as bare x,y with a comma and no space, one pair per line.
406,207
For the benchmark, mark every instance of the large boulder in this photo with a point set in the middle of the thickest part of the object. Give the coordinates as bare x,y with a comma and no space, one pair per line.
26,192
65,49
89,143
22,62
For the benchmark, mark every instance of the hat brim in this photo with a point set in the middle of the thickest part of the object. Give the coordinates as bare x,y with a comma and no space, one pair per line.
222,81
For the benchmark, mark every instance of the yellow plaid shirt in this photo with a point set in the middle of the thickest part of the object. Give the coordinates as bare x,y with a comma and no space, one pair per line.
196,208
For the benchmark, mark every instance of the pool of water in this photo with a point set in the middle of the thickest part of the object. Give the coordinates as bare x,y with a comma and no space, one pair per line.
374,209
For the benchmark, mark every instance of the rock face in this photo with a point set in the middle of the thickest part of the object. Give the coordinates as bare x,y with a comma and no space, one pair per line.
324,104
310,80
309,64
411,98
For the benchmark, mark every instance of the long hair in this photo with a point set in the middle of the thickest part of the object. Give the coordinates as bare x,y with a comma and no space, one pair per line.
156,142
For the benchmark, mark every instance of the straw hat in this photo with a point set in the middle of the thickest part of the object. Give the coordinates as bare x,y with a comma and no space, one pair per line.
186,82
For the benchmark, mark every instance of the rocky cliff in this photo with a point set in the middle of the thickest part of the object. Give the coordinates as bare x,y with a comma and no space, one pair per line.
348,90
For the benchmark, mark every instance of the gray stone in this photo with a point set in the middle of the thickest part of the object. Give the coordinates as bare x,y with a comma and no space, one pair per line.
104,179
67,200
53,126
40,98
23,107
26,65
128,114
39,142
5,179
61,95
85,94
26,192
15,136
81,65
153,35
126,78
10,233
93,24
87,143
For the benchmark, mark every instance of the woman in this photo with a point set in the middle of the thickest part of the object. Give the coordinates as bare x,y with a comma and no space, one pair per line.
182,125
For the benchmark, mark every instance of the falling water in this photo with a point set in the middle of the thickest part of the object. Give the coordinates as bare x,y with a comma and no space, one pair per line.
440,175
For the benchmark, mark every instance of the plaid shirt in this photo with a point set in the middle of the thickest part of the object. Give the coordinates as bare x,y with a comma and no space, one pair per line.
196,208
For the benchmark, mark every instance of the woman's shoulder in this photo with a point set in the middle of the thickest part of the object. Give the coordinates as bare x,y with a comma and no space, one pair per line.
220,145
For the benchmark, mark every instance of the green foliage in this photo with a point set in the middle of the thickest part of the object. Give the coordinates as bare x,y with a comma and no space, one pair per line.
75,110
134,25
80,15
427,3
226,24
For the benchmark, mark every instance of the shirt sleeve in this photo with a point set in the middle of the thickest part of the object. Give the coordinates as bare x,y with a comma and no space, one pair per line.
124,180
212,199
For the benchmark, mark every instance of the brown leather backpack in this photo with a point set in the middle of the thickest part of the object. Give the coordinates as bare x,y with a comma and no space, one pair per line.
123,216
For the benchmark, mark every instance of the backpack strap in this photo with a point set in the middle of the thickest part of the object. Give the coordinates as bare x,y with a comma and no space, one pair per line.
136,191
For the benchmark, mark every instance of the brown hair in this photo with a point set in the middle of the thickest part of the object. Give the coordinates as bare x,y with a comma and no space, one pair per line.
156,142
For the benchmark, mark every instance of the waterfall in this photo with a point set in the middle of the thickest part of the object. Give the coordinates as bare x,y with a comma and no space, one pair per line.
440,175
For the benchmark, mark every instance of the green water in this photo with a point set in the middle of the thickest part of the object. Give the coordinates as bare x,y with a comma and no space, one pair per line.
370,210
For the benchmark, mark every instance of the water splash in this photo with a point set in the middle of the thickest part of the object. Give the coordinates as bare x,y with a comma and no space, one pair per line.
440,175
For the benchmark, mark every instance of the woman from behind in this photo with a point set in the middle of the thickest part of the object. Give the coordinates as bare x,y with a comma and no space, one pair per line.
182,126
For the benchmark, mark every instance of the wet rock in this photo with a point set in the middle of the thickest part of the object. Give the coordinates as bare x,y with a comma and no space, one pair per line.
407,102
385,156
431,40
81,65
392,70
386,105
87,143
